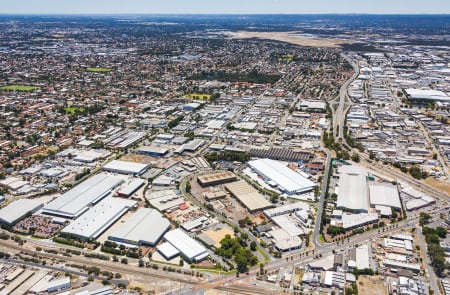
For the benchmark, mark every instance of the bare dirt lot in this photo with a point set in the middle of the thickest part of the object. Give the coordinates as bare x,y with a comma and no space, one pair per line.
371,285
161,162
439,185
289,37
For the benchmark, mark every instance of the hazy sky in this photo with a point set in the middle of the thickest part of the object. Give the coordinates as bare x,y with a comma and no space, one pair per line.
223,6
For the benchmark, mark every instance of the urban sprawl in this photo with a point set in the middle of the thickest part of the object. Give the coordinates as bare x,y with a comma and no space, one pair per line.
140,155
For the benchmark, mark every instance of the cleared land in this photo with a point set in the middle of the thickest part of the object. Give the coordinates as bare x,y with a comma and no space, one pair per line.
99,70
371,285
439,185
289,37
218,235
24,88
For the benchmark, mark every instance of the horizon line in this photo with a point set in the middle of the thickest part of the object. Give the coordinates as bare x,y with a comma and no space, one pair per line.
224,14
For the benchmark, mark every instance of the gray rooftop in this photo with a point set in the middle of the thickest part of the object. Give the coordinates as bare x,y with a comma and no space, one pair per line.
146,226
74,202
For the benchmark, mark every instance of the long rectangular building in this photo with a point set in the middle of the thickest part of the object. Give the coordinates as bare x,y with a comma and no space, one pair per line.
216,178
99,218
248,196
77,201
18,210
145,227
125,167
353,191
286,179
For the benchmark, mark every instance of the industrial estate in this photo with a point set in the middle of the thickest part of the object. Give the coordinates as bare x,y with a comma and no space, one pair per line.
178,156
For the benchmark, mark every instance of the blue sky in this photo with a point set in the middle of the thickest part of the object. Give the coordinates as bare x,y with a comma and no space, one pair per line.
224,6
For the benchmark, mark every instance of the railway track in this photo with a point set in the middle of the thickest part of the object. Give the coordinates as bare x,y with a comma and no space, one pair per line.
108,266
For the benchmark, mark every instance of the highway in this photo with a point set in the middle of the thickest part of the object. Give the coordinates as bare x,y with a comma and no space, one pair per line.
342,108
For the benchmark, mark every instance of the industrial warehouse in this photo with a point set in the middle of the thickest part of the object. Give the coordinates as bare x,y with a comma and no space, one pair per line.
285,179
76,201
145,227
178,242
216,178
125,167
352,189
248,196
355,192
99,218
18,210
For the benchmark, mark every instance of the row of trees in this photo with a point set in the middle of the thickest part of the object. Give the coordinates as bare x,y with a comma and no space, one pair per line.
252,76
436,252
228,156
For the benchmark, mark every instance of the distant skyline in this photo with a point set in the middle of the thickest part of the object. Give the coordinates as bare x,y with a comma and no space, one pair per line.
225,7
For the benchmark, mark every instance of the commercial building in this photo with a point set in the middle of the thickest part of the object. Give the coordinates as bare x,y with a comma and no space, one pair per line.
284,241
359,257
313,106
76,201
18,209
351,221
58,284
286,209
281,176
189,248
248,196
125,167
426,95
99,218
145,227
352,189
216,178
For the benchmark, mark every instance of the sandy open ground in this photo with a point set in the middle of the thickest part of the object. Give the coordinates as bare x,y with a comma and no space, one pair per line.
289,37
439,185
371,285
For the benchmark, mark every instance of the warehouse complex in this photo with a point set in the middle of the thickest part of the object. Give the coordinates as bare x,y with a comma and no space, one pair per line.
248,196
76,201
285,179
352,189
356,193
99,218
18,209
179,242
145,227
125,167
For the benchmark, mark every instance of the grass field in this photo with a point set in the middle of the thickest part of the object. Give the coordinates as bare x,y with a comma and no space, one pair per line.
19,88
71,110
99,70
198,96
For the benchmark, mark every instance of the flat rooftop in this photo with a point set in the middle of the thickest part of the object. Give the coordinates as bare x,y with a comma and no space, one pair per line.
99,217
76,201
248,196
287,179
146,226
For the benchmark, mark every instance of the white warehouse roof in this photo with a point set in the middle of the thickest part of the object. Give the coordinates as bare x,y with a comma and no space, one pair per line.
125,167
76,201
146,226
384,195
99,217
353,190
18,209
190,248
287,179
